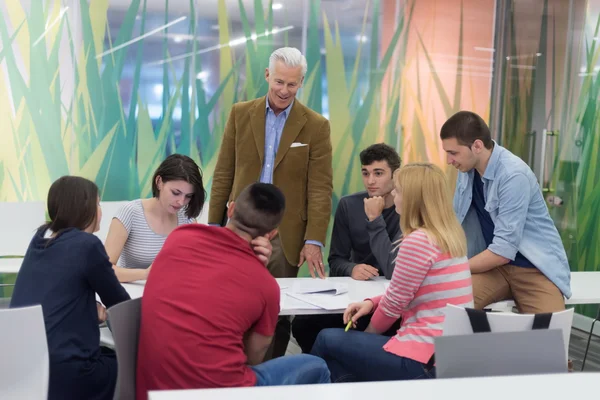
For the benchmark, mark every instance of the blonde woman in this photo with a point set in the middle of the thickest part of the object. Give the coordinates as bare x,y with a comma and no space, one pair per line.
431,271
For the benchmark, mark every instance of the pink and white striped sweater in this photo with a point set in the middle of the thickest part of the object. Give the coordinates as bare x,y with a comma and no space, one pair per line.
424,281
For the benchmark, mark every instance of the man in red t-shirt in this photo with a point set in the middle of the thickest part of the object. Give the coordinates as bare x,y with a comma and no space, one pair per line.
210,306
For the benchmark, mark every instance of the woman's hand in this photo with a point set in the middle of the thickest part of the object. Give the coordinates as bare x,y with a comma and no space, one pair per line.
101,313
357,310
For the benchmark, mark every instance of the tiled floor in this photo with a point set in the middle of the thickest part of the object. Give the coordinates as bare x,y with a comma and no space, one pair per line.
577,346
577,349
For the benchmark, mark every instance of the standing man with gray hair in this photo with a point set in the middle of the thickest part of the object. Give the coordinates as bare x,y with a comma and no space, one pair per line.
275,139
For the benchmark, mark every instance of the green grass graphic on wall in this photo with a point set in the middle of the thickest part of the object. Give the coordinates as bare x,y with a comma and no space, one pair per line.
93,135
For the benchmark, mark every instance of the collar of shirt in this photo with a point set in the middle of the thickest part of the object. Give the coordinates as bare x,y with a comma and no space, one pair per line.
286,111
490,170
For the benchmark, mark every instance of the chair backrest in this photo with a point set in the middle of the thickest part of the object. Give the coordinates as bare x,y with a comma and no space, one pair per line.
25,365
124,320
20,221
456,322
500,353
203,217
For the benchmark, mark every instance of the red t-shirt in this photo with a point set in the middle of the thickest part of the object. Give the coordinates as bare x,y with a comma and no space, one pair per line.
205,291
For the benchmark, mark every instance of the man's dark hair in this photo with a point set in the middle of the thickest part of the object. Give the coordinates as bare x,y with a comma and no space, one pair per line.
178,167
467,127
380,152
72,203
258,209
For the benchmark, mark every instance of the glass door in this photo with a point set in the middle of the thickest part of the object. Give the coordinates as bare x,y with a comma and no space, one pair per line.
547,111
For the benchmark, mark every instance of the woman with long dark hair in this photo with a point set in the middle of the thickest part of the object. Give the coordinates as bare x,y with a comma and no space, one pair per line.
63,269
139,230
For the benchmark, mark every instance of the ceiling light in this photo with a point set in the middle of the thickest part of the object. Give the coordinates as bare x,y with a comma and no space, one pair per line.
362,38
237,41
277,6
158,89
203,75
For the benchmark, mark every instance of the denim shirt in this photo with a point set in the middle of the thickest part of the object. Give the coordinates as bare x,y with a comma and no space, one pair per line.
522,223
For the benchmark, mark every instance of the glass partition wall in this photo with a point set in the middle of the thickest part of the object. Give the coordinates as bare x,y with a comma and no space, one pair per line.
547,111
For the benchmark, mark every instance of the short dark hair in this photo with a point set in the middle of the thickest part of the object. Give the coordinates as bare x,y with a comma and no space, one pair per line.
380,152
258,209
178,167
467,127
72,203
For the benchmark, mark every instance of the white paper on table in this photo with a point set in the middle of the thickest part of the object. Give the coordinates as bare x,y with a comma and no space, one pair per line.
307,286
324,301
291,303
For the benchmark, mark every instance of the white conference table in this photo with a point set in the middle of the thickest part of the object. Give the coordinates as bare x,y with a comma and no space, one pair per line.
584,285
546,387
585,288
357,291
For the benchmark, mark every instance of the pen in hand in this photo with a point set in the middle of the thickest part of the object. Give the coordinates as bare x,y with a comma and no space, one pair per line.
348,325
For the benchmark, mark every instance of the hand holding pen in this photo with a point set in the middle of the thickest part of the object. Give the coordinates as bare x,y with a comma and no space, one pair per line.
355,311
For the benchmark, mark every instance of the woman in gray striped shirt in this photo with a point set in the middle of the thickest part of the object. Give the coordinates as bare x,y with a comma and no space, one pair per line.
140,228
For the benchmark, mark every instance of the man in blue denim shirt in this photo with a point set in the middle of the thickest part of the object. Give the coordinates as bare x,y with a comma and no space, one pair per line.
515,251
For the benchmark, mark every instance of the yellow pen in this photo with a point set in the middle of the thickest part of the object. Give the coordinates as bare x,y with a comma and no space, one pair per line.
348,326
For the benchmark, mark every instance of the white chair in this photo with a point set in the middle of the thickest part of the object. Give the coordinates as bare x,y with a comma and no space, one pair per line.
25,365
109,211
124,320
457,322
203,217
21,219
503,343
106,338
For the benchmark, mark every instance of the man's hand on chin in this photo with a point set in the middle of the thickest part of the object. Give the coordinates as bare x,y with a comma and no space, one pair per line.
262,248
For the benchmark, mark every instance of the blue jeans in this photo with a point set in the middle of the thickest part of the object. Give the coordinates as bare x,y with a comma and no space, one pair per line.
355,356
302,369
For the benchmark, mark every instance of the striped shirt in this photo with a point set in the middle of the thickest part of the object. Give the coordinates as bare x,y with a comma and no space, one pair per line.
425,280
142,244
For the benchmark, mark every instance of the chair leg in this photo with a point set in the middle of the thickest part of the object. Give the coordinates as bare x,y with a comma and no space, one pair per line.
588,344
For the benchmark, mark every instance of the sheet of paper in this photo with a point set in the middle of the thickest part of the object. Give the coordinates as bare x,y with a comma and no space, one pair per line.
324,301
290,303
306,286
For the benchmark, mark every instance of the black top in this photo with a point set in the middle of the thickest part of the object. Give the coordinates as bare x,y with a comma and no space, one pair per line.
63,275
487,225
356,240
